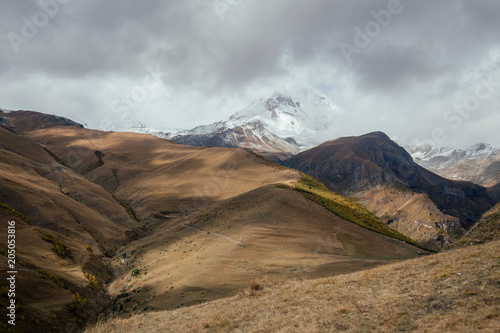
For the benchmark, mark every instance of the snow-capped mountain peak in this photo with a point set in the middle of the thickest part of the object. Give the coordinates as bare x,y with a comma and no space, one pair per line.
300,117
285,122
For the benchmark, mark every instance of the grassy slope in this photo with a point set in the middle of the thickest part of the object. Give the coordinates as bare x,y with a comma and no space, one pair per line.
341,206
486,230
347,209
455,291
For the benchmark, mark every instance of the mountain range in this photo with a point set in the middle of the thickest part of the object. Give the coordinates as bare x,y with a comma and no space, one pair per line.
131,222
283,124
112,223
289,122
289,127
383,176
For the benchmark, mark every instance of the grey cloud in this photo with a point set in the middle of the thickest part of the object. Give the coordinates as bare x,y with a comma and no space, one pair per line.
415,63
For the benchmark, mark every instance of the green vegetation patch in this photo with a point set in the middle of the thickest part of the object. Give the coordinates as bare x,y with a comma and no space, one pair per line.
91,251
127,207
91,235
78,303
100,156
15,212
51,277
93,280
59,247
347,209
264,160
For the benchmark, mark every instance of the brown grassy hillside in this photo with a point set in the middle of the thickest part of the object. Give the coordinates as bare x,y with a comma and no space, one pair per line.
64,227
218,251
486,230
158,178
413,214
130,222
455,291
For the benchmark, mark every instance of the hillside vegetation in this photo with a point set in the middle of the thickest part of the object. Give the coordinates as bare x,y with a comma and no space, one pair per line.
123,224
486,230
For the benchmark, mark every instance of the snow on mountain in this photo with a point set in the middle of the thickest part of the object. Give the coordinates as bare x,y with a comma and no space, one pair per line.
479,163
286,122
301,115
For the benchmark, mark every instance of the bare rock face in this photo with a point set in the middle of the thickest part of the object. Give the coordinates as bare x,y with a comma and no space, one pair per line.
252,135
358,166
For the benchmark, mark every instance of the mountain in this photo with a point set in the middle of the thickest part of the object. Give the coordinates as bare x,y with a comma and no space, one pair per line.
286,123
125,222
479,163
384,177
494,192
26,121
67,228
253,135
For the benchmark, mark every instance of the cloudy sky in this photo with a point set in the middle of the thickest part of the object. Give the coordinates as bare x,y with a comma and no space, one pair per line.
417,70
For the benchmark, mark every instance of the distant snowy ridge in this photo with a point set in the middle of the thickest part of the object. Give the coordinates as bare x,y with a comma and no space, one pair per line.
479,163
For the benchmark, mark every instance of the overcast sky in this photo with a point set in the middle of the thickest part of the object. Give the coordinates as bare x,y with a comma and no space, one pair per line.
417,70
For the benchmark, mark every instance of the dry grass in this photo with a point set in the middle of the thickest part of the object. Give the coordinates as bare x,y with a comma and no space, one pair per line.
348,209
455,291
485,230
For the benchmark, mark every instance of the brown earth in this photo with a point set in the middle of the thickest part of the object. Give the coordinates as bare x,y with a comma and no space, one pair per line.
203,221
220,250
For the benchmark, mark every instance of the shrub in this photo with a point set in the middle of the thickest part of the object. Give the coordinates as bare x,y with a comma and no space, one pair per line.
59,247
51,277
99,155
127,207
56,158
79,302
4,291
89,248
93,280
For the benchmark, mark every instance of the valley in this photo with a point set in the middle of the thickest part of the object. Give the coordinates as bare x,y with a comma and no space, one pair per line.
115,224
